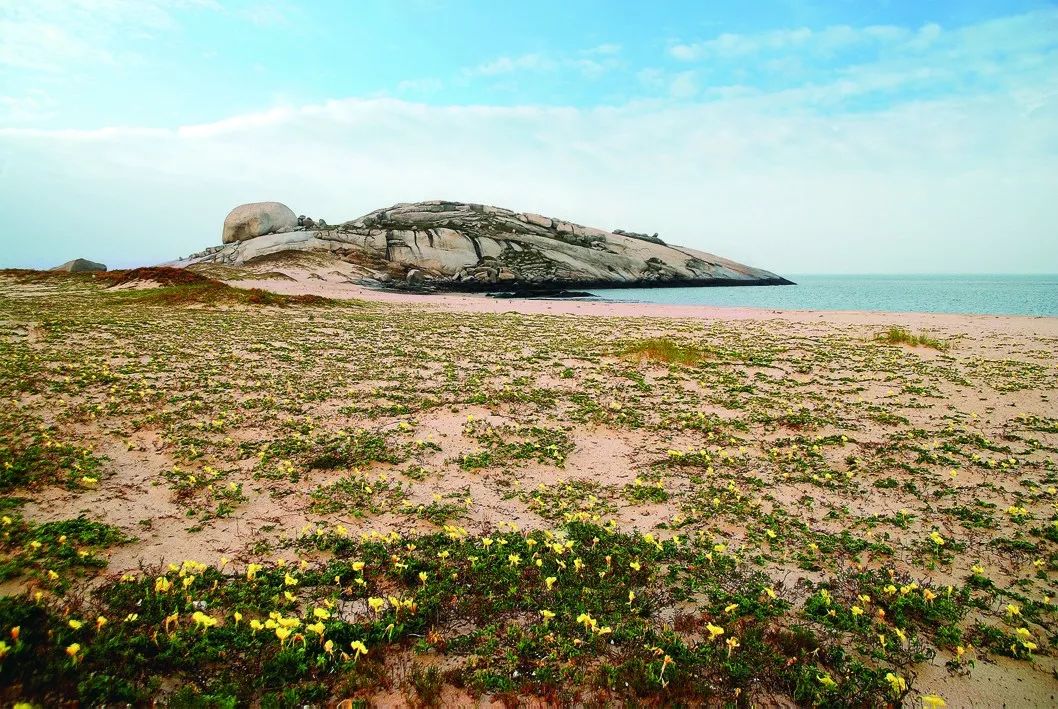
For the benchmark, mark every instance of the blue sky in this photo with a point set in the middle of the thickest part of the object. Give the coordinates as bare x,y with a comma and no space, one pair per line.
797,136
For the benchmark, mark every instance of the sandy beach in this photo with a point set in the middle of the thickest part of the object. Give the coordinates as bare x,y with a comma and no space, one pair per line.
480,303
845,508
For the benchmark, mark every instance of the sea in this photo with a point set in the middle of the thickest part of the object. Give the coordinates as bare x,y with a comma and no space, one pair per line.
976,294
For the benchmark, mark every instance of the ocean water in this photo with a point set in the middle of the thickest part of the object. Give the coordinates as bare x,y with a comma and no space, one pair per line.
983,294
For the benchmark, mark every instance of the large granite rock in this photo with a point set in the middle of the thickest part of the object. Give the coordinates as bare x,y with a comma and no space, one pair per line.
463,246
248,221
80,265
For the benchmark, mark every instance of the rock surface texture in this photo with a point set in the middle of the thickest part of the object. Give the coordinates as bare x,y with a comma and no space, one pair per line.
80,265
248,221
463,246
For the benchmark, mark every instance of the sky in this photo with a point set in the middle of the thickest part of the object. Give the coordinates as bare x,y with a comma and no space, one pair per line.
797,136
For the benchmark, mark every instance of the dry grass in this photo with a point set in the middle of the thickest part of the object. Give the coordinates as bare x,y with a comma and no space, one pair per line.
180,286
900,336
659,349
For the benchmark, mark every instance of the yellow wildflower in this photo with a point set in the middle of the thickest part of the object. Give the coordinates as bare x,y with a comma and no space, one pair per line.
897,684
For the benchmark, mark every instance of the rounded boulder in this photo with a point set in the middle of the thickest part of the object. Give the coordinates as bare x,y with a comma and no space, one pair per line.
257,219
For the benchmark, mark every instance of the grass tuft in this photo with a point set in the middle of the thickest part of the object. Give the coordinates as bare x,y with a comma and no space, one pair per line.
660,349
900,336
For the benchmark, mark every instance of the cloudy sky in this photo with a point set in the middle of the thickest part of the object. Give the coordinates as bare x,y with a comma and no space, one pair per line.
799,136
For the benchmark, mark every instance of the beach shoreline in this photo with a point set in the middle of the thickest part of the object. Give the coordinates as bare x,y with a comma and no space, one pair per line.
479,303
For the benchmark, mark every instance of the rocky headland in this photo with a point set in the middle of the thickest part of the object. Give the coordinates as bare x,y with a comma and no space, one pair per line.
457,246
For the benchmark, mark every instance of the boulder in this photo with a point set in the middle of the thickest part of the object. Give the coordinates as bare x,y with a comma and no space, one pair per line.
469,246
80,265
248,221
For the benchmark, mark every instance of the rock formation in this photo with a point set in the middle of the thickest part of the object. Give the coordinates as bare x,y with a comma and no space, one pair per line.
462,246
80,265
248,221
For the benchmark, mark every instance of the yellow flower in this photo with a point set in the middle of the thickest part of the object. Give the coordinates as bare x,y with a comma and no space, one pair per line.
203,620
328,647
75,624
932,701
513,559
731,643
826,681
238,617
586,620
251,571
548,615
161,584
897,683
857,611
358,648
550,581
100,622
282,633
376,604
715,631
317,627
1013,610
73,649
290,580
256,625
938,540
635,565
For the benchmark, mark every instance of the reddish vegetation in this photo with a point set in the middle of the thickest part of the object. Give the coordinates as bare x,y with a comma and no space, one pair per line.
162,275
176,286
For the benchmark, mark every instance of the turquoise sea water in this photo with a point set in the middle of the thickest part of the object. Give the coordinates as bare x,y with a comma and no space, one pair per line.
993,295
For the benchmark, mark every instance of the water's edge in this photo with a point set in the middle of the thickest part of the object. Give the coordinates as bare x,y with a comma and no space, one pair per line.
1032,295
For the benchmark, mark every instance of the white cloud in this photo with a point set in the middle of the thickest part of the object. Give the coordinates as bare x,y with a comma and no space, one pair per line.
63,35
589,63
34,106
961,184
506,65
1027,32
684,85
420,86
606,49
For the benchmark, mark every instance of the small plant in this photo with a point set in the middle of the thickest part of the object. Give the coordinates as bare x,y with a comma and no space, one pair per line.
659,349
900,336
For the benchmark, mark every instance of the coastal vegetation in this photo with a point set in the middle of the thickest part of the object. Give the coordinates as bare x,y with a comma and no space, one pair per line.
214,498
900,336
